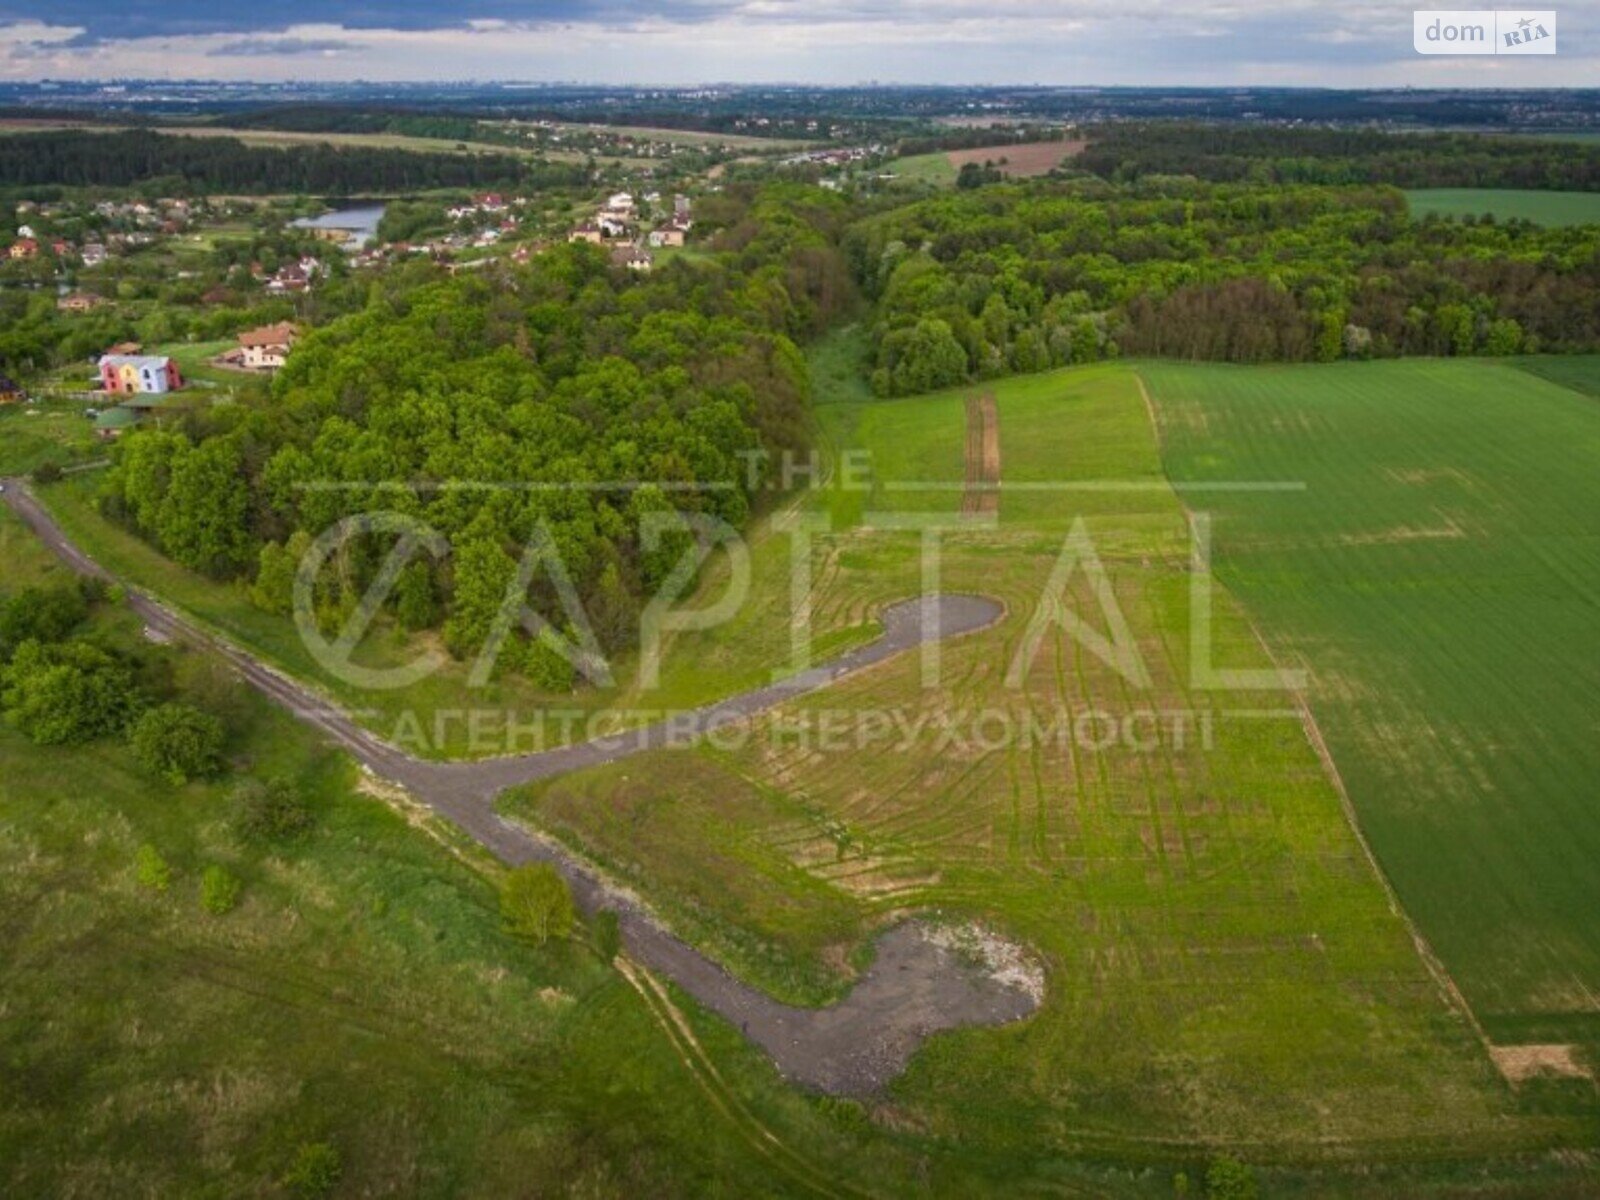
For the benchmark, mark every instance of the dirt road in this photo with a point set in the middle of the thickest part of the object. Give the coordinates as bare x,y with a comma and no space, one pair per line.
914,988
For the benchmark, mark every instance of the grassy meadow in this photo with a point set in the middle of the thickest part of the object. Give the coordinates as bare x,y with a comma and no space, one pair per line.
1504,204
1225,969
1439,579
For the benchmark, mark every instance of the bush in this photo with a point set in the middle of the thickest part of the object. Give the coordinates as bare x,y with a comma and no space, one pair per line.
219,891
536,902
1229,1179
270,811
151,869
178,742
40,615
315,1171
607,935
47,472
58,695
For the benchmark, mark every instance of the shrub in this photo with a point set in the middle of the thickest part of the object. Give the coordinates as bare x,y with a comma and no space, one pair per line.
47,472
58,695
1229,1179
219,891
178,742
270,811
315,1170
41,615
151,869
536,902
607,935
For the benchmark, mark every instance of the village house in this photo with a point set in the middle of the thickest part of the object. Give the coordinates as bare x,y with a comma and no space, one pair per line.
267,348
11,391
139,374
635,258
93,254
79,302
587,232
672,233
24,247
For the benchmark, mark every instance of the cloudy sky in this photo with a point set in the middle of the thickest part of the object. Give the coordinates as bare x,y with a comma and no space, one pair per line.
1309,42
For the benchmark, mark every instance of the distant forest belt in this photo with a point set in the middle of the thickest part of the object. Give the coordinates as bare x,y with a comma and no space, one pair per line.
982,493
1022,158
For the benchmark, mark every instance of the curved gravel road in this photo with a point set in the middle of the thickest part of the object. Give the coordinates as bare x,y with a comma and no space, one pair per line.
914,988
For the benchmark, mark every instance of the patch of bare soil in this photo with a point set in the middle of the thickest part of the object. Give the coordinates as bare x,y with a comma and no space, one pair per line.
1520,1063
982,494
1022,159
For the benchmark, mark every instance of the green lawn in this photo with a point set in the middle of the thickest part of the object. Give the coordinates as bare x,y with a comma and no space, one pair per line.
1543,208
1439,577
46,431
1224,965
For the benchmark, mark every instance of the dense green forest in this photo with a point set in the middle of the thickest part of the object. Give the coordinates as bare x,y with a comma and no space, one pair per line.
568,371
175,165
1025,277
1277,154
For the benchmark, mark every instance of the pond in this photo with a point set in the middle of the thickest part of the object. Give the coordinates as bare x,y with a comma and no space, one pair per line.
351,227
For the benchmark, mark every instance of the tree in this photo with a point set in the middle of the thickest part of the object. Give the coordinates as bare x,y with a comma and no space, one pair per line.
65,694
414,600
607,935
536,903
929,358
219,891
315,1171
178,742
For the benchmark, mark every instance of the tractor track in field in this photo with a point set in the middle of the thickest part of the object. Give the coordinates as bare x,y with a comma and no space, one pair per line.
915,987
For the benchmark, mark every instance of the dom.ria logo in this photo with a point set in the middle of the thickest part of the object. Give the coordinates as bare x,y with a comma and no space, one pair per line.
1484,31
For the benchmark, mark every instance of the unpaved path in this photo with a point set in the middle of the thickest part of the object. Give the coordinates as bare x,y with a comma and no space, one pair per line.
982,491
914,987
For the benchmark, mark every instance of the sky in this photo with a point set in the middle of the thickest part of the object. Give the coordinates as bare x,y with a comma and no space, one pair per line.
679,42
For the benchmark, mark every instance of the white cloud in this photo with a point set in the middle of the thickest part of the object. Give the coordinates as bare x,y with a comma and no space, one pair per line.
1177,42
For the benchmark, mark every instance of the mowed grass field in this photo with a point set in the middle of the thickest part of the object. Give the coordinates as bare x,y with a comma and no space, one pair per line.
1224,967
1440,580
1542,208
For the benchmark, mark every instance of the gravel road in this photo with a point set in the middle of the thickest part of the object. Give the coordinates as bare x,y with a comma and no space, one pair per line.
914,987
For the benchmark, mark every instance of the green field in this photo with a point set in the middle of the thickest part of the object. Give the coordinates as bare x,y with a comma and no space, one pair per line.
1542,208
1224,966
1439,578
1581,372
924,168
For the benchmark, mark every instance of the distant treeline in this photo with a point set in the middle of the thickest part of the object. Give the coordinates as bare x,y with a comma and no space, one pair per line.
1253,154
969,139
346,118
199,165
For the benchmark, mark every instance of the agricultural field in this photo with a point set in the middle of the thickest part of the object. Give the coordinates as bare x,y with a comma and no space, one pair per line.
1021,160
1581,372
1438,580
1224,965
1505,204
